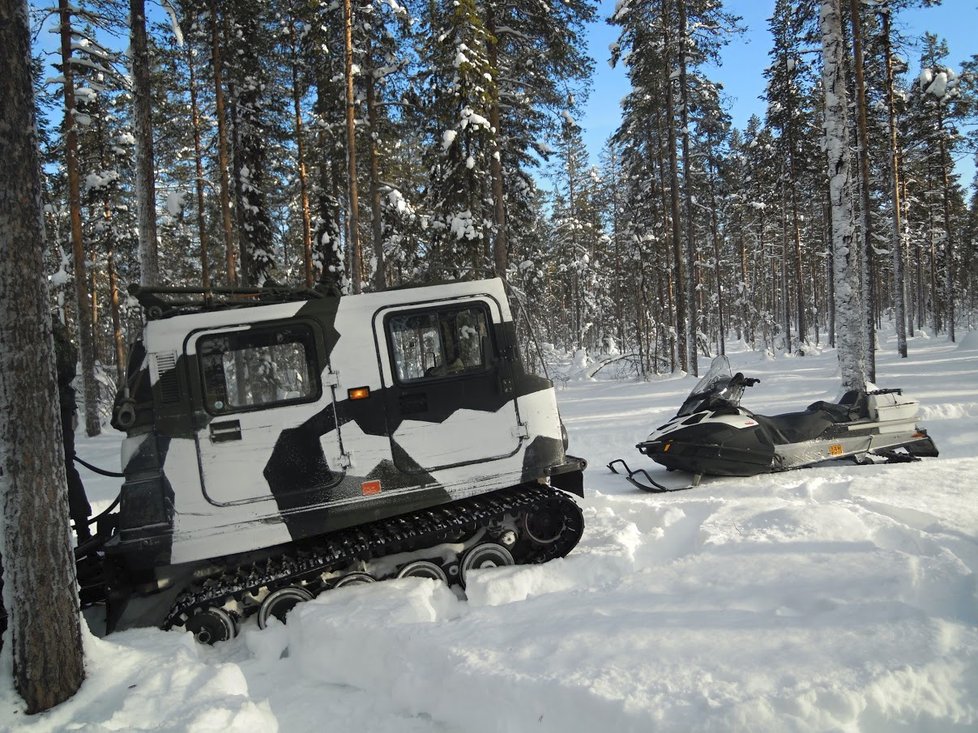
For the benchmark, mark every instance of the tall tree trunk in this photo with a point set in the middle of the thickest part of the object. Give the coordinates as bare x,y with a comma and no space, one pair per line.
353,216
230,255
785,294
38,565
572,217
867,274
500,244
715,239
205,268
86,345
301,153
796,239
690,286
118,340
899,288
149,269
682,330
376,210
851,350
948,239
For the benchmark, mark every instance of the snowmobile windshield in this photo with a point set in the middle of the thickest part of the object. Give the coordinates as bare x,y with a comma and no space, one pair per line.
715,385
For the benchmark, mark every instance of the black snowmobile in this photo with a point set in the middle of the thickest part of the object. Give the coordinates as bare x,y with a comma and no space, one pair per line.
713,435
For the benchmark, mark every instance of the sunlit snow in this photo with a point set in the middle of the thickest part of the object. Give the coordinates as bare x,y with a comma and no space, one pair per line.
836,598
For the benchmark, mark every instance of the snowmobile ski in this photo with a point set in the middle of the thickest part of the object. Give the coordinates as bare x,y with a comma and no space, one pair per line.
653,486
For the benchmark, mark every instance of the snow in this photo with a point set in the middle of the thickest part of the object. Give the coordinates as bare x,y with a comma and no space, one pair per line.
447,138
838,598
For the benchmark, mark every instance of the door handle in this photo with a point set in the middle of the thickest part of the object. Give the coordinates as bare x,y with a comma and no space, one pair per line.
225,431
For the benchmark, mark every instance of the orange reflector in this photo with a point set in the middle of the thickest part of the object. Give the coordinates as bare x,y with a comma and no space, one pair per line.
666,447
836,449
358,393
369,488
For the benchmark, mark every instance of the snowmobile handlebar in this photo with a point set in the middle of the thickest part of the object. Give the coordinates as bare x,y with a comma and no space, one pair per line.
739,378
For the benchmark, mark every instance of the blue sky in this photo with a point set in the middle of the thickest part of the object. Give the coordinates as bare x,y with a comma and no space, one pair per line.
745,58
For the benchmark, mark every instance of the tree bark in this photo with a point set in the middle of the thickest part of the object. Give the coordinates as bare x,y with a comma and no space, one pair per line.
301,154
230,255
86,345
899,287
681,324
500,244
118,340
353,217
691,290
205,268
376,210
948,239
850,324
149,269
39,569
867,275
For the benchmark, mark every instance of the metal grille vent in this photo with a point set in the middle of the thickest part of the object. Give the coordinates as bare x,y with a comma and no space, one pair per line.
166,364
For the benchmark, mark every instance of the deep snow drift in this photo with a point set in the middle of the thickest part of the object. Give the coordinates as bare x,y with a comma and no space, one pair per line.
837,598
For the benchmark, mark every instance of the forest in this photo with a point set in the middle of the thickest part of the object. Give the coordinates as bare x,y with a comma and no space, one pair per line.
359,145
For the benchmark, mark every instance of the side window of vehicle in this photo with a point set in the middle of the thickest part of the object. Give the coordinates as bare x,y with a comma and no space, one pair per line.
441,343
259,367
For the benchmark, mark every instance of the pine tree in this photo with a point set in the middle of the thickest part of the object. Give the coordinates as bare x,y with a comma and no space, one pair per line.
38,565
458,92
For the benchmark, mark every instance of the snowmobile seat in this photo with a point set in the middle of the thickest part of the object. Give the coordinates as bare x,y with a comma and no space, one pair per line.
795,427
851,407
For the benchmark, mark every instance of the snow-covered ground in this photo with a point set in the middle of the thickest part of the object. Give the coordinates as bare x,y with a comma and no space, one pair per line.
837,598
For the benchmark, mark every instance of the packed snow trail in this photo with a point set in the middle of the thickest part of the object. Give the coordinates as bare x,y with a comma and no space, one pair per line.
839,597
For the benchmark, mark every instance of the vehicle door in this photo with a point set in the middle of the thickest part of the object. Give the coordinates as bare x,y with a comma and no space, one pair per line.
267,427
449,399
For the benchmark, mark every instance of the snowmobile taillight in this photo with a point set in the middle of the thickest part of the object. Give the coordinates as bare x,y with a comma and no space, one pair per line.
358,393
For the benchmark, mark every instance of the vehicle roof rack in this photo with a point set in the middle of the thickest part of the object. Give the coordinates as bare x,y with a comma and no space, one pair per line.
164,302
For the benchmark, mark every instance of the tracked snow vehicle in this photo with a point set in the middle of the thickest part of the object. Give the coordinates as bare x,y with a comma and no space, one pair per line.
713,435
281,443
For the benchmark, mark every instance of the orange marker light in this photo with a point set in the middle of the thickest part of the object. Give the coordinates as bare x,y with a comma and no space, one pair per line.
358,393
369,488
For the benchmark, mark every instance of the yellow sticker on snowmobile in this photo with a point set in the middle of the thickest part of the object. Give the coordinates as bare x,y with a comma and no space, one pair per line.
836,449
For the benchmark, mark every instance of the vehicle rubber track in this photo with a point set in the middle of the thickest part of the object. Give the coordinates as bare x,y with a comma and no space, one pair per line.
556,520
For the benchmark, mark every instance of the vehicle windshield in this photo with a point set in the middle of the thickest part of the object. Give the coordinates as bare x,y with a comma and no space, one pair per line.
715,385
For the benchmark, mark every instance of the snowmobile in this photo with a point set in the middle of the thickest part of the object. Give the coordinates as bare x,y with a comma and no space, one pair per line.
280,443
713,435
